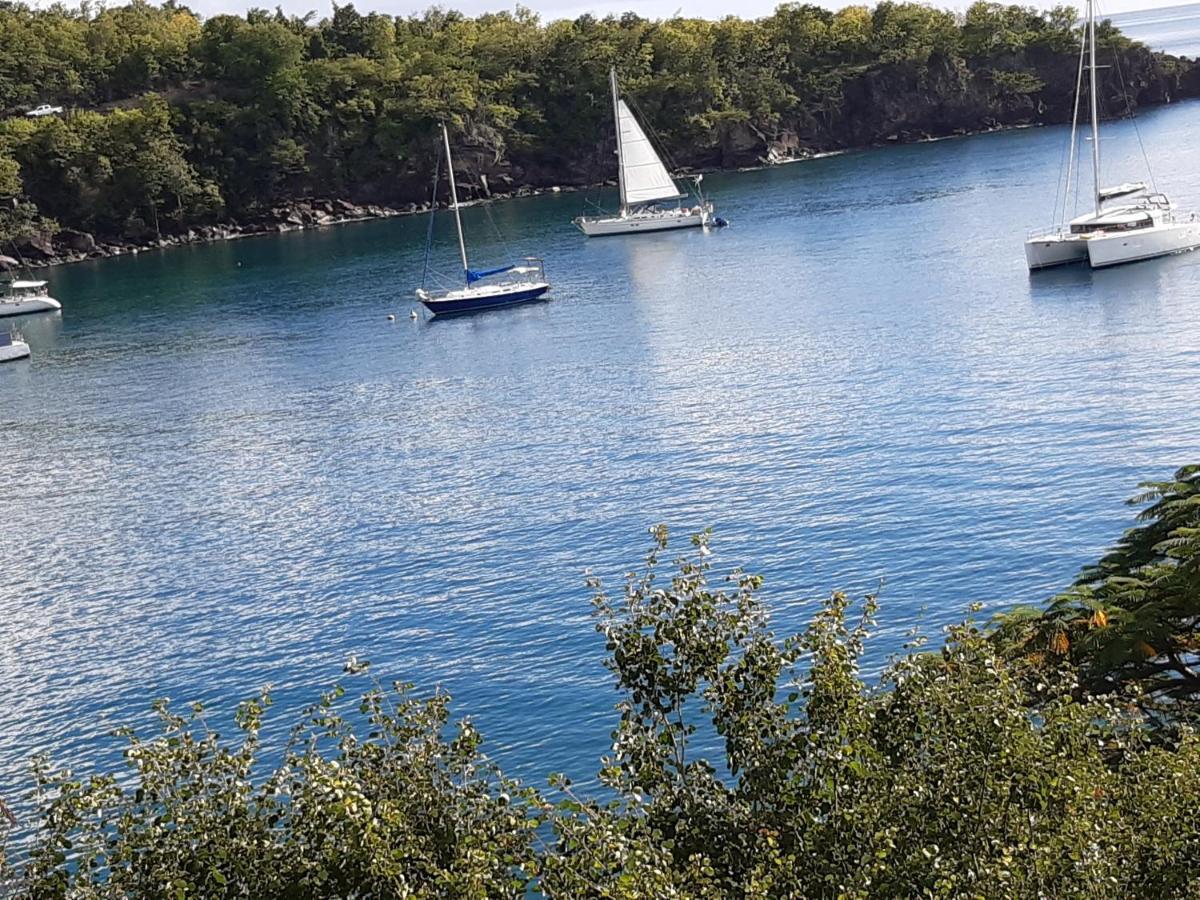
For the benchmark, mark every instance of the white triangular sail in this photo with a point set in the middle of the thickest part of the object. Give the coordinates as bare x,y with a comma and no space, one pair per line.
644,178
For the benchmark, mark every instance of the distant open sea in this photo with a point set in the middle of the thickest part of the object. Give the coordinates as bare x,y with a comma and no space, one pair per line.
1172,29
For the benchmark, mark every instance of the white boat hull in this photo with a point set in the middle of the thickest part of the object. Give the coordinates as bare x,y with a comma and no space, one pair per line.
1145,243
14,351
1055,250
636,224
18,307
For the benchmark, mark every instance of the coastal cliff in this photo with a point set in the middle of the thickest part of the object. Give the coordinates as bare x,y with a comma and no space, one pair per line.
177,129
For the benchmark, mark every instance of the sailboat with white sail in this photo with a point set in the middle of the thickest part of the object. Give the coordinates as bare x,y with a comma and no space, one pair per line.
506,285
644,184
1129,222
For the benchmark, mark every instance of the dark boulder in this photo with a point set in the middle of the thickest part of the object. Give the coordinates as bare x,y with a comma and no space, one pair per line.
37,247
77,241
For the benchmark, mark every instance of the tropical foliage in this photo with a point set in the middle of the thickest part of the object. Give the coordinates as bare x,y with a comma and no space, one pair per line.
173,120
1133,618
743,764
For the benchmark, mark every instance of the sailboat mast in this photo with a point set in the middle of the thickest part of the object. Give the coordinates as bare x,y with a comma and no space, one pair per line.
462,246
1091,7
616,98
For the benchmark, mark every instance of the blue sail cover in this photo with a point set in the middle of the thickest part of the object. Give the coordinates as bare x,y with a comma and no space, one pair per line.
473,276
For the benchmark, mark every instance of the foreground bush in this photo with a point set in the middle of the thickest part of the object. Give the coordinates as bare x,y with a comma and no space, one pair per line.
742,764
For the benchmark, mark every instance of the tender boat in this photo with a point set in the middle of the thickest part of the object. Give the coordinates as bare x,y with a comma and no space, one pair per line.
12,347
1128,223
644,184
21,297
484,289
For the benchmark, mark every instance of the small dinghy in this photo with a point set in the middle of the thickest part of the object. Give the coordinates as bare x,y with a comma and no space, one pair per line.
12,347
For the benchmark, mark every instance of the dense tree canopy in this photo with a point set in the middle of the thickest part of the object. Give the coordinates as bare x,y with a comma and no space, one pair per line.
173,120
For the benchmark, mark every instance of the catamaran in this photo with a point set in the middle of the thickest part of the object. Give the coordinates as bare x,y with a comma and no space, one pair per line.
644,184
1129,222
524,281
21,297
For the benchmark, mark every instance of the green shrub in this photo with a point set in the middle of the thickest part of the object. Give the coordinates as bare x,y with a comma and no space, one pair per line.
742,765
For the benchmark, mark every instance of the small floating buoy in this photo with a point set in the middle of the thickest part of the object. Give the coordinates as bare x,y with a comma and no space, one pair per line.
412,314
391,318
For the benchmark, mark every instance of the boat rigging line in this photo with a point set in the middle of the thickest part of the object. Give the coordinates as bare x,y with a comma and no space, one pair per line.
437,172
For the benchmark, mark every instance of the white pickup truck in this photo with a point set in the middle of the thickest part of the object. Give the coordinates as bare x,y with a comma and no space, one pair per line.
44,110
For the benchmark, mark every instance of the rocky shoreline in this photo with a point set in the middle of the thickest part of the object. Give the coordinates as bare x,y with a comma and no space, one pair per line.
71,246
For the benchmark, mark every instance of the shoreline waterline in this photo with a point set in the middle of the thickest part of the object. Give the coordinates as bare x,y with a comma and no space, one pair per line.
234,231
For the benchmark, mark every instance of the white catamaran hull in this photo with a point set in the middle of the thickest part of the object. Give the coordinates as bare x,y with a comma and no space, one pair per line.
1055,250
1145,243
19,307
601,226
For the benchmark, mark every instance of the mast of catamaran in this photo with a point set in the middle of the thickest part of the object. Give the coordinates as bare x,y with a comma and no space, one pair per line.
1091,12
616,98
462,246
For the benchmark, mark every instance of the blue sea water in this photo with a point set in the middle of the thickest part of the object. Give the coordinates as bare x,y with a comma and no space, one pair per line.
1172,29
224,467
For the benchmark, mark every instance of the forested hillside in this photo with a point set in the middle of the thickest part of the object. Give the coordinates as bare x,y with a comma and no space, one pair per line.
173,122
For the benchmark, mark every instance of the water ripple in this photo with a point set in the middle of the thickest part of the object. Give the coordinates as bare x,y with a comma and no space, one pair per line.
224,468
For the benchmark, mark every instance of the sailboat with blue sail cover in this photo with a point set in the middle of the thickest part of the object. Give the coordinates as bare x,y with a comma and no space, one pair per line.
506,285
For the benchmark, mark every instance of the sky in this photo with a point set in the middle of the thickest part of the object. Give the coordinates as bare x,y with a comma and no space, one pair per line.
570,9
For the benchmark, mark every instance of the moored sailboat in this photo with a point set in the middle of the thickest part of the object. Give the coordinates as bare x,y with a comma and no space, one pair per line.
1128,222
644,185
484,288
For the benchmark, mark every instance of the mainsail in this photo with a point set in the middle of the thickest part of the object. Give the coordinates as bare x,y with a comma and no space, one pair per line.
644,178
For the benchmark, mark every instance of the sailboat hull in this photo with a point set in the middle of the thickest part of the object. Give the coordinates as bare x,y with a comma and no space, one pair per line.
1147,243
638,224
468,300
